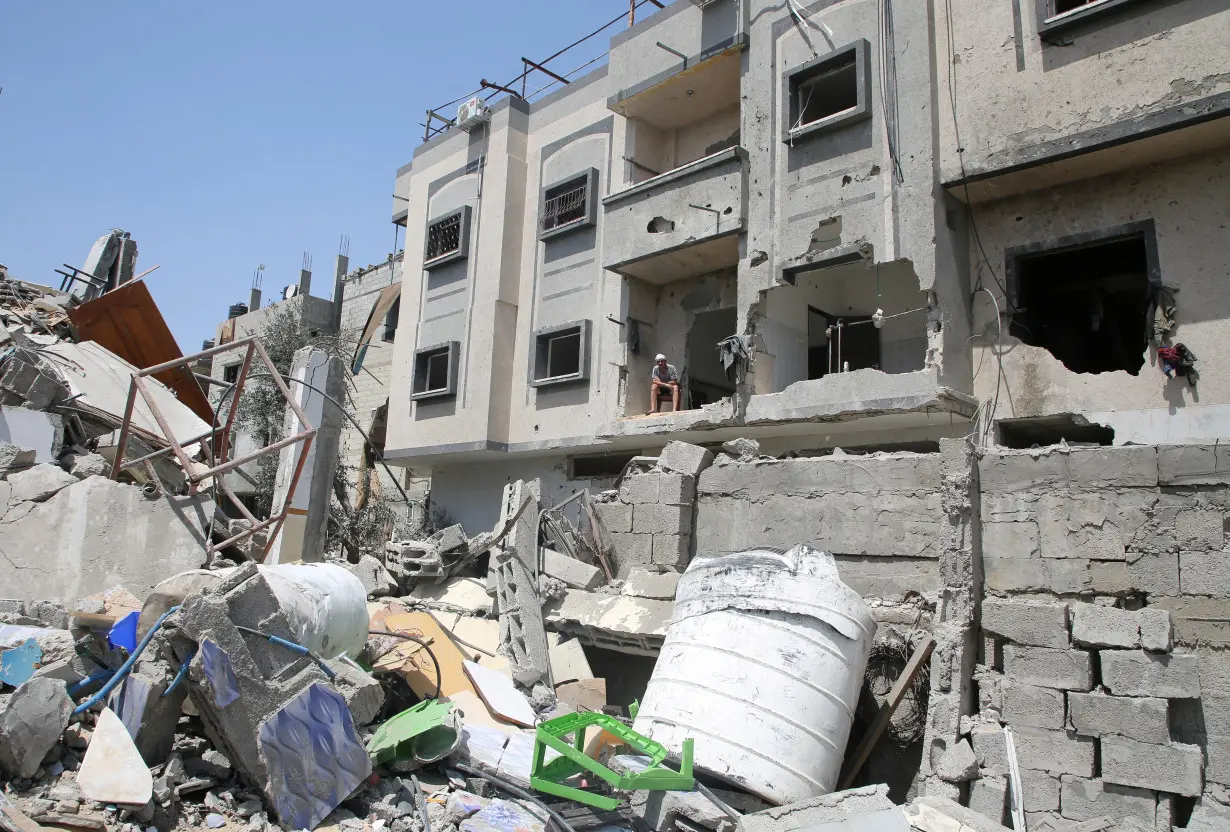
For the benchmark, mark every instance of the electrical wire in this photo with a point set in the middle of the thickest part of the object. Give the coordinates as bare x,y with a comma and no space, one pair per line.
291,646
126,667
999,358
422,642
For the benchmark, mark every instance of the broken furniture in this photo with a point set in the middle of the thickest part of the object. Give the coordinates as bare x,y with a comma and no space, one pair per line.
427,732
552,777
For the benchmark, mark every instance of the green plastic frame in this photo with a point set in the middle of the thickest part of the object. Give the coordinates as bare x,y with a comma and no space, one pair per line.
549,777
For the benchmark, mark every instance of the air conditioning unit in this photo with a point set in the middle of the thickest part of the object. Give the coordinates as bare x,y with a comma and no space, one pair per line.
472,113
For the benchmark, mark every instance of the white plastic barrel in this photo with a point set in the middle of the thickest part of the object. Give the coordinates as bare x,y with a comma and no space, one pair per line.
762,667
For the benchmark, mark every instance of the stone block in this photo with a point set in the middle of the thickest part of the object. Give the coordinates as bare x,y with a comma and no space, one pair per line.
1197,621
1096,626
571,571
617,517
988,795
1174,768
1193,464
646,584
1010,540
1139,718
1154,573
1137,673
1013,472
660,519
1027,622
934,813
813,812
1032,706
1040,790
1061,576
990,747
631,550
1085,799
639,488
1055,752
363,694
1155,630
376,579
671,550
1217,758
1127,465
1200,528
676,489
1205,573
1049,668
31,721
682,458
1109,577
957,764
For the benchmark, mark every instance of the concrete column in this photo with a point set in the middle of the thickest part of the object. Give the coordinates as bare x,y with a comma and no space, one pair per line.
303,533
523,636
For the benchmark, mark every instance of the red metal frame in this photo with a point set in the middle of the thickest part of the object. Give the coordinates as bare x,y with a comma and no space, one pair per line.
220,463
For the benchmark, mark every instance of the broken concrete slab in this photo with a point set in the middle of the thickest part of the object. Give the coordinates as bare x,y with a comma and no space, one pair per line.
933,813
31,720
828,808
523,637
377,581
364,695
113,771
16,458
616,622
571,571
642,583
588,694
38,483
468,595
498,693
568,662
95,533
36,430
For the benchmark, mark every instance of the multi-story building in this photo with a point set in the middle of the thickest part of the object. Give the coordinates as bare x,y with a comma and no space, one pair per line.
923,220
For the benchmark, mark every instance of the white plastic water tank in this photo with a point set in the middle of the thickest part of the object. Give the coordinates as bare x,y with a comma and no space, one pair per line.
762,667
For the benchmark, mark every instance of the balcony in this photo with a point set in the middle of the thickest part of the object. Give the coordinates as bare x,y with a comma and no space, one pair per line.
681,223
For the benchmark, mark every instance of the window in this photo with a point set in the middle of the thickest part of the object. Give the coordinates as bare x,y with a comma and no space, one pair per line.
569,204
230,373
827,91
599,466
1055,16
447,237
390,321
560,354
1086,299
435,371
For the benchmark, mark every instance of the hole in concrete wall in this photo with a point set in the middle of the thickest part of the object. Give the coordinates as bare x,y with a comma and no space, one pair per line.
660,225
924,446
1086,304
626,675
827,235
1038,432
598,466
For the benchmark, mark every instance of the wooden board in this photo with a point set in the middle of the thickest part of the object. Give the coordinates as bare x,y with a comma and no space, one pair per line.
500,695
474,712
414,663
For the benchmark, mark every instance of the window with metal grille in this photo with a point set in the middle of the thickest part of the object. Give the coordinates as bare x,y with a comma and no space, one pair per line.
444,237
568,204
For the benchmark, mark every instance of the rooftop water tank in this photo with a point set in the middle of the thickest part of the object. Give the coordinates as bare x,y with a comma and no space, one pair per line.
762,667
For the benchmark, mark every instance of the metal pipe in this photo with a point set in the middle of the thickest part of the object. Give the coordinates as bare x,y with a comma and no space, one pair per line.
546,71
196,356
167,449
662,45
125,427
126,666
164,426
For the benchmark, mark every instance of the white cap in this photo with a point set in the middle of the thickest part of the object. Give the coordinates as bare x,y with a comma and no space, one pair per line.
659,357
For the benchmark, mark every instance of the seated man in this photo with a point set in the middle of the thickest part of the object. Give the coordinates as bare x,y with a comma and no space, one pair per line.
663,384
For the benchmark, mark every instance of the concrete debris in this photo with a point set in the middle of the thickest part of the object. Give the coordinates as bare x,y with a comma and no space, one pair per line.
113,771
643,583
31,720
523,637
939,814
571,571
742,449
376,579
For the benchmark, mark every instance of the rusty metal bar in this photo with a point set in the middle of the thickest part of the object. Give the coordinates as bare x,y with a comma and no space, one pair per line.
546,71
243,460
491,85
222,486
281,385
139,383
167,449
196,356
230,541
125,427
225,441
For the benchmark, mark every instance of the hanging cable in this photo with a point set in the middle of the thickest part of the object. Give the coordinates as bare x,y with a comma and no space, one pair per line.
423,643
126,667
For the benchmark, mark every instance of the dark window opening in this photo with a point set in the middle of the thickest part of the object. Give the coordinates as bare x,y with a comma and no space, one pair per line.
565,204
1041,431
559,354
627,675
390,321
840,344
230,373
435,371
564,354
833,91
1086,304
1063,6
599,466
444,237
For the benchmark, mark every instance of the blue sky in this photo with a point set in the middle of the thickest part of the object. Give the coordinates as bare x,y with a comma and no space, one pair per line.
224,135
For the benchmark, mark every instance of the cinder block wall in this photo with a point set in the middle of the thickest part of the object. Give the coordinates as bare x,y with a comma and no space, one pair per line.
1105,628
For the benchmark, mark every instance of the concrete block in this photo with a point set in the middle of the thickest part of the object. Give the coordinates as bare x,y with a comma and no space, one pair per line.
1137,673
682,458
1040,790
1096,626
1193,464
571,571
660,519
1154,573
1013,472
1217,758
742,448
933,813
1205,573
631,550
640,488
31,721
1109,577
988,795
14,457
990,747
671,551
1048,668
363,694
1128,465
1056,752
1197,621
149,716
1209,816
1032,706
1200,528
1060,576
1155,630
676,489
617,517
1174,768
643,583
569,663
1139,718
1083,798
1010,540
376,579
957,764
1027,622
